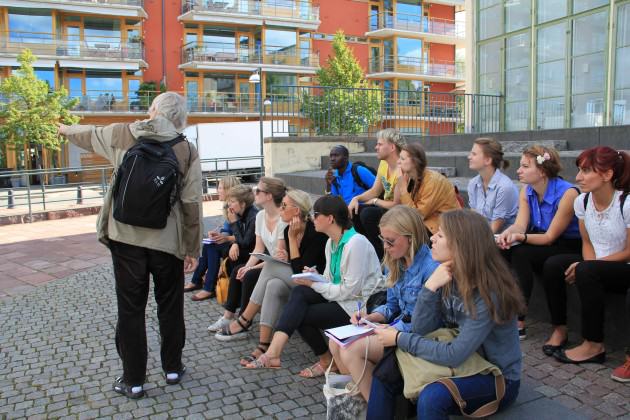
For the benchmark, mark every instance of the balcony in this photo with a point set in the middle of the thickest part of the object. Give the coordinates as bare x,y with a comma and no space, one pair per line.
223,56
127,8
416,68
90,52
287,13
436,30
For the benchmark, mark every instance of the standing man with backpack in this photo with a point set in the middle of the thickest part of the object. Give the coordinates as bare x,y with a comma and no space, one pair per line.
151,220
347,179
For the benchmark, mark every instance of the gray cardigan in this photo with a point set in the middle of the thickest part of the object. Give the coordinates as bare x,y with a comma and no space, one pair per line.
497,343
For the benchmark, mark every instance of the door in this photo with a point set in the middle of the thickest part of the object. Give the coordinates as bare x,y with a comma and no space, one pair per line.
72,35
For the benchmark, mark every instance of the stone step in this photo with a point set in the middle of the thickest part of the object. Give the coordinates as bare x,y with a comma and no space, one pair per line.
519,146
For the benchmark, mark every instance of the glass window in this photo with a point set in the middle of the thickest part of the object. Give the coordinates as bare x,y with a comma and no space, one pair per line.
409,51
103,85
280,42
491,21
489,64
219,41
621,105
551,9
589,70
29,26
551,76
582,5
408,14
517,82
552,43
409,92
550,113
95,29
278,83
517,14
47,75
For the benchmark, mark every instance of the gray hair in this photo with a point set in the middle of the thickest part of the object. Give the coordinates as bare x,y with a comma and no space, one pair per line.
392,136
302,201
171,106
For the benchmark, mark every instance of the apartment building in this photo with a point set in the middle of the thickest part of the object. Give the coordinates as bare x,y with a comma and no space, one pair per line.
103,50
558,63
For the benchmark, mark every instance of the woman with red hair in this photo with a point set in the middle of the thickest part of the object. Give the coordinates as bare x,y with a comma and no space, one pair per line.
603,211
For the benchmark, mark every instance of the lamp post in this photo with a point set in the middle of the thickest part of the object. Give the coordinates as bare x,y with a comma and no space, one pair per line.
256,79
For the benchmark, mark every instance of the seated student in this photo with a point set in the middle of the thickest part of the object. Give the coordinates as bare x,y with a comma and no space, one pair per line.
304,247
212,253
268,231
388,145
604,178
545,223
491,193
409,264
427,191
354,273
473,289
240,201
343,178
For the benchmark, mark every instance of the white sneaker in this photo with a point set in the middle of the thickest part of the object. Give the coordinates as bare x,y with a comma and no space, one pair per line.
217,326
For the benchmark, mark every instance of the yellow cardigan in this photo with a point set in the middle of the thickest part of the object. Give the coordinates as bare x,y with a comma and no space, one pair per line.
435,196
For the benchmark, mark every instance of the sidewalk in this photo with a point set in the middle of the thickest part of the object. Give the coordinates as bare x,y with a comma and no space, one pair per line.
59,359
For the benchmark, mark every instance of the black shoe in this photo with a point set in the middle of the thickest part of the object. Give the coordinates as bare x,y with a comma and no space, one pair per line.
178,379
522,333
561,356
122,388
549,349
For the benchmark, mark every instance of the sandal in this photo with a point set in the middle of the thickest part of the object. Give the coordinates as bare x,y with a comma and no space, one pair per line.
261,349
264,362
225,334
314,371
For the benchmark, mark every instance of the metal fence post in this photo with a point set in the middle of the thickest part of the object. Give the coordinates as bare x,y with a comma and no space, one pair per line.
79,195
41,181
10,200
28,198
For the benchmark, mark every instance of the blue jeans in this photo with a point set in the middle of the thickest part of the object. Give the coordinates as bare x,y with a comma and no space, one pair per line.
435,402
209,264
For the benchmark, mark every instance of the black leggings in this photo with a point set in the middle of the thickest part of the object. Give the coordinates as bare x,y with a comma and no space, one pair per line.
308,312
370,217
239,291
525,260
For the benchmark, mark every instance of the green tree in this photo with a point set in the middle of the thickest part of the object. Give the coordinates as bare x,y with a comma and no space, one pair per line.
344,103
147,91
30,109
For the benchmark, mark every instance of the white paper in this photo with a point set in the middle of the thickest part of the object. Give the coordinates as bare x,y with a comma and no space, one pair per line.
266,257
316,277
350,330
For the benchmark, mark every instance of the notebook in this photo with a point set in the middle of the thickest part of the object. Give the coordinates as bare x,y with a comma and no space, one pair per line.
265,257
348,334
316,277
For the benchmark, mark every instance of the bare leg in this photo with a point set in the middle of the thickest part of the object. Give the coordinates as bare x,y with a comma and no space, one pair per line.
336,350
353,357
586,350
248,315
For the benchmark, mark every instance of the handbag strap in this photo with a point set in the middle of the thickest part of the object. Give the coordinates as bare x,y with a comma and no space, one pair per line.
486,409
356,385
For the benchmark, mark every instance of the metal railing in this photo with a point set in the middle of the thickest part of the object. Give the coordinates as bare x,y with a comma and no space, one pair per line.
106,2
31,191
113,101
215,52
317,110
303,10
417,66
416,23
45,44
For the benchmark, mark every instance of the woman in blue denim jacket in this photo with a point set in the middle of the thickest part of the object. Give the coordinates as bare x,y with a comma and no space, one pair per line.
408,259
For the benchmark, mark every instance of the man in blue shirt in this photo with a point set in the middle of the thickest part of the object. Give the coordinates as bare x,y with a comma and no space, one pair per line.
340,179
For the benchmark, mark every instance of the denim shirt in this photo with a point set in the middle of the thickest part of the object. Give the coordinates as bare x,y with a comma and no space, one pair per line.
344,185
499,201
402,296
542,213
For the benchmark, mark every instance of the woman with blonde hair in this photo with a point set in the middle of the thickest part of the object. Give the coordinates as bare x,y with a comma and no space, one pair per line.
473,289
491,193
303,247
409,264
212,252
429,192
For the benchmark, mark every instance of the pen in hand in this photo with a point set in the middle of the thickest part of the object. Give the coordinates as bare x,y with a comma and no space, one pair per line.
359,311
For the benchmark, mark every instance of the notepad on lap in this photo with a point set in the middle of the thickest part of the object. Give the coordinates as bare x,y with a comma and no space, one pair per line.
208,241
348,334
316,277
266,257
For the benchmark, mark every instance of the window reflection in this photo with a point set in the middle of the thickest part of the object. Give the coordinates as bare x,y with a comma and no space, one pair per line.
29,26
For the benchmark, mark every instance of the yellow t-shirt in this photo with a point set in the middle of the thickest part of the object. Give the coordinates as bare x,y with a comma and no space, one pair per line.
389,182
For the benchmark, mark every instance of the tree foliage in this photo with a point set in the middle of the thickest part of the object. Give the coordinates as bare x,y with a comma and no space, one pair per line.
30,109
344,102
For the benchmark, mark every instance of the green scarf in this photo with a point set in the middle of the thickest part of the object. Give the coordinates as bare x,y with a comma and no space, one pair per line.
335,257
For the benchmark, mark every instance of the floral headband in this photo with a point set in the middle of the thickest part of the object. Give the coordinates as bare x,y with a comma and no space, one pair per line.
542,158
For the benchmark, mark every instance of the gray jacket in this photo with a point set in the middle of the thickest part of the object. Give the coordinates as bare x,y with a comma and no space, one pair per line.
497,343
183,232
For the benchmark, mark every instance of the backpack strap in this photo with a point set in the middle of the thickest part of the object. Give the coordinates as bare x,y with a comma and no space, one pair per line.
357,178
622,201
586,199
486,409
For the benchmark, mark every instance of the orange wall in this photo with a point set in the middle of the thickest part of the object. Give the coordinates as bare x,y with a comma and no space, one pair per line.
441,11
441,52
325,49
442,87
156,52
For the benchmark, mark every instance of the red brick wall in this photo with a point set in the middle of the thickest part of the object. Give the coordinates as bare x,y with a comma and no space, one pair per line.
441,11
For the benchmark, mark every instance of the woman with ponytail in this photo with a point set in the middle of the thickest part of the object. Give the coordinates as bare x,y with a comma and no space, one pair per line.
603,211
491,193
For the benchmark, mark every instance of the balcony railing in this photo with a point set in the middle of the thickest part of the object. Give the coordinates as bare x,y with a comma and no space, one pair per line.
116,2
415,23
417,66
45,44
214,52
275,8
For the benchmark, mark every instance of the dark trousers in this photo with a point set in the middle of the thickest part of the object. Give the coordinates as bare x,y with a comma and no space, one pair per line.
593,279
209,263
132,266
435,401
525,260
370,217
239,291
309,313
556,286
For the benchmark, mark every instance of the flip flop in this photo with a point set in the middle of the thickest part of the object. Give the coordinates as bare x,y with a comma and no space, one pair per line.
314,371
263,362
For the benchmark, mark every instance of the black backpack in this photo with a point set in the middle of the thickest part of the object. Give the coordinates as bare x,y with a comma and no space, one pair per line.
355,174
622,201
147,183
